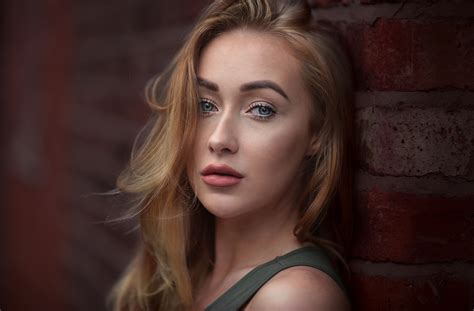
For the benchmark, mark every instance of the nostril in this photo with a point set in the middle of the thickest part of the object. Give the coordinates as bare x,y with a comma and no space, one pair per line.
223,147
223,140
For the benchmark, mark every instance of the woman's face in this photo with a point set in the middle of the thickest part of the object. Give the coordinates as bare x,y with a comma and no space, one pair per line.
255,119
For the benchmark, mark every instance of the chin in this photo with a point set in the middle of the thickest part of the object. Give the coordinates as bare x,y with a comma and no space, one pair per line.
225,209
224,212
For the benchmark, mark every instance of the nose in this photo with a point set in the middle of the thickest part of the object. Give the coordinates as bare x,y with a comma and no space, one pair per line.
223,138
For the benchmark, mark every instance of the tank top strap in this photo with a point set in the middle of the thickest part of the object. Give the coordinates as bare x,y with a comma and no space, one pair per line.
239,294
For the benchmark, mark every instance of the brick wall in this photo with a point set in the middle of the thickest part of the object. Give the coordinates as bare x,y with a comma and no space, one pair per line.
413,247
36,59
414,62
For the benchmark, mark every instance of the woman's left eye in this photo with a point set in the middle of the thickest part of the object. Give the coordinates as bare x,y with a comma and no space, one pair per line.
262,111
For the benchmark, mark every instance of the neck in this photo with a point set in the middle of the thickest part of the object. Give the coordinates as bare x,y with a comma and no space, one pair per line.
243,242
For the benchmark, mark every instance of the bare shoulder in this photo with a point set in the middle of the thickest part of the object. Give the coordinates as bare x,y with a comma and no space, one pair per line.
300,288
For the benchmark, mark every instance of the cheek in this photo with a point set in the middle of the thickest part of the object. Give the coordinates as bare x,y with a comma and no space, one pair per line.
278,151
193,161
197,158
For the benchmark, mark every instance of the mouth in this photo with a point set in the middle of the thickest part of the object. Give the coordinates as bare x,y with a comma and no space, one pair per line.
220,175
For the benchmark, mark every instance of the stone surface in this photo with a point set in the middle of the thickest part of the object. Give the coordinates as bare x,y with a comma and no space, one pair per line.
416,141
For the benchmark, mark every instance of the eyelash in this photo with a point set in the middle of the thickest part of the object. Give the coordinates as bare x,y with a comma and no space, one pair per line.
252,106
264,105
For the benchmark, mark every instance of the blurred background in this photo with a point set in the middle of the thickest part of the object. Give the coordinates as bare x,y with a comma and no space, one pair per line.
73,74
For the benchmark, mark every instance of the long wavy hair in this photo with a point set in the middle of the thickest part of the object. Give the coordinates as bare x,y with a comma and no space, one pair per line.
176,248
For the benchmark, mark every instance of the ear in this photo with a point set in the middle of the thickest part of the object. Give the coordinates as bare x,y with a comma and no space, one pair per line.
313,146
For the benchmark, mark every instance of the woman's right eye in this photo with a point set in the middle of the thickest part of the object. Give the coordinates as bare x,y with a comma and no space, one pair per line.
207,106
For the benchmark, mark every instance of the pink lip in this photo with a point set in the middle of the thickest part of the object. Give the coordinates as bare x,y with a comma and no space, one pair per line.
220,175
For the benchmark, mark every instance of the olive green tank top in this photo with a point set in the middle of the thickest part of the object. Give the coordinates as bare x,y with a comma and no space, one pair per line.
238,295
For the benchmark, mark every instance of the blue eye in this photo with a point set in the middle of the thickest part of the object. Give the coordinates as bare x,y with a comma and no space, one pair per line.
206,105
262,111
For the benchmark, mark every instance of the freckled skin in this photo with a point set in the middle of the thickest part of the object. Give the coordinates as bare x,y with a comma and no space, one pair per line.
269,153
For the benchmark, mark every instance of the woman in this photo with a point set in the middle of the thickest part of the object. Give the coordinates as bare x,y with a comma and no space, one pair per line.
243,181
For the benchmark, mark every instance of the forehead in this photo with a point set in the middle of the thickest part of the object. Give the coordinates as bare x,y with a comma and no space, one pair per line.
241,55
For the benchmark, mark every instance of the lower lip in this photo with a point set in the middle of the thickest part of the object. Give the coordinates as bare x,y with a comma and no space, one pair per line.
221,180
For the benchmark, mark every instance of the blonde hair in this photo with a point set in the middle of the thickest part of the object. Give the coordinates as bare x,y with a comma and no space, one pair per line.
176,249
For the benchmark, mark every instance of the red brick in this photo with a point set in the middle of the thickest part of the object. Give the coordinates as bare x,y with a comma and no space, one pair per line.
417,141
409,55
436,292
413,228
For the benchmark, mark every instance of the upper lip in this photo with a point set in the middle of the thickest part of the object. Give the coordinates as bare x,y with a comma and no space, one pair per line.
221,169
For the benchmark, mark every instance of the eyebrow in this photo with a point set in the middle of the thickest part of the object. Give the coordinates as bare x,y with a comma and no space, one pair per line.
208,84
264,84
250,86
